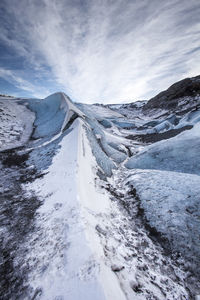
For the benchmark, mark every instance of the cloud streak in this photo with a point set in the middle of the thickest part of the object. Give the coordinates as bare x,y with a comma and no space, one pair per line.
106,51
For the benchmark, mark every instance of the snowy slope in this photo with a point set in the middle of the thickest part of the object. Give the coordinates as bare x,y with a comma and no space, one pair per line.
99,202
16,123
178,154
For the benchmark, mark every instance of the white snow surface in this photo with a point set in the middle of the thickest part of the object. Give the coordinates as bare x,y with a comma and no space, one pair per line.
69,259
89,241
171,203
16,124
177,154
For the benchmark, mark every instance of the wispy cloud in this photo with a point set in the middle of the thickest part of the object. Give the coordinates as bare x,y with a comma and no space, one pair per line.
106,50
22,84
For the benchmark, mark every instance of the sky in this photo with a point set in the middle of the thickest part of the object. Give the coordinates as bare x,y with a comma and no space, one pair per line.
106,51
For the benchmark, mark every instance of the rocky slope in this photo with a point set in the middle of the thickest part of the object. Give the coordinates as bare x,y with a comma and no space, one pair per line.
182,93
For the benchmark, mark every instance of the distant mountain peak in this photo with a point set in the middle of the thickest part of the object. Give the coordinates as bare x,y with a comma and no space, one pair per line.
170,98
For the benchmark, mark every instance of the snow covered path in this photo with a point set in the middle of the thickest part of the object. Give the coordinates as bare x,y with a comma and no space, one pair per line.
70,263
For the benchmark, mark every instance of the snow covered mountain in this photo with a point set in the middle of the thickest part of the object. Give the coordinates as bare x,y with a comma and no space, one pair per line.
101,202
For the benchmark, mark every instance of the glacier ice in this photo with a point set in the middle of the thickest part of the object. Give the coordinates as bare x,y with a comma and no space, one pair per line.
96,189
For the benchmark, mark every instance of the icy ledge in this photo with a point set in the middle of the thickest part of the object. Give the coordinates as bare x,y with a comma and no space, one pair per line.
65,255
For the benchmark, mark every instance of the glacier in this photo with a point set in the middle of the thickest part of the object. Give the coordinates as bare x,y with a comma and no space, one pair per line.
100,201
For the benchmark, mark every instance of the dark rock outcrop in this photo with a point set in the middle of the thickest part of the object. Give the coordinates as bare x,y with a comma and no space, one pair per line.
170,98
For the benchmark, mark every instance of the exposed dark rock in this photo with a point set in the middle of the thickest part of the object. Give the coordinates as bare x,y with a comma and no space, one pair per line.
116,268
13,158
169,99
155,137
